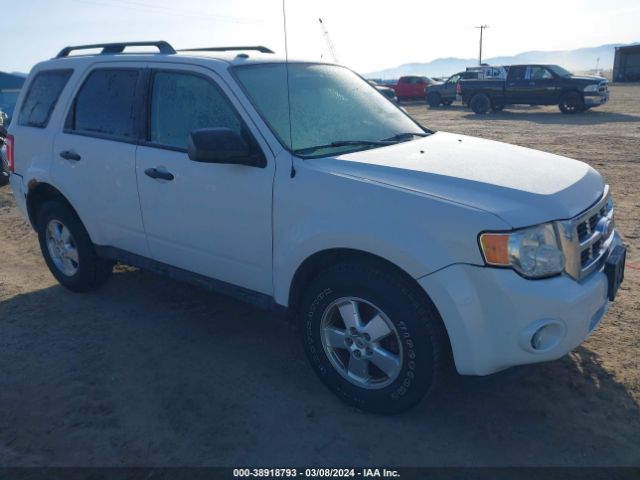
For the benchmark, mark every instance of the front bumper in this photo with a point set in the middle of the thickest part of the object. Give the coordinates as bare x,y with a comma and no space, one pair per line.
596,99
492,314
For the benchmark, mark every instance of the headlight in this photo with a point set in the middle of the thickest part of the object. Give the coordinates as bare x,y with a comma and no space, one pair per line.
532,252
592,88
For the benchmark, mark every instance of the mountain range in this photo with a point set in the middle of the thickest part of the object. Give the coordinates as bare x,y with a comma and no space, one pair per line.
581,59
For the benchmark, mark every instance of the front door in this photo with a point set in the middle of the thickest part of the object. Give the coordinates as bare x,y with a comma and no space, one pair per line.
449,88
543,88
208,218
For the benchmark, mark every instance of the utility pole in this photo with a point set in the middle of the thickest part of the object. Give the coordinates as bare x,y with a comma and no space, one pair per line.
481,27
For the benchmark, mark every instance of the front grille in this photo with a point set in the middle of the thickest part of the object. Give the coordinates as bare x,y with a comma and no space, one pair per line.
585,239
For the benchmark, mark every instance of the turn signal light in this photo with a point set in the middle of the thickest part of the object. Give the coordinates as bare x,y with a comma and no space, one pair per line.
495,247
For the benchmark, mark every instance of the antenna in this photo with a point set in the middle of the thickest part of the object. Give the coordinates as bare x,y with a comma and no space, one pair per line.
286,66
481,27
327,38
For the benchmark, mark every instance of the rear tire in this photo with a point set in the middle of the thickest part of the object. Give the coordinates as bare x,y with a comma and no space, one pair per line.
4,167
571,102
434,100
68,250
480,104
372,337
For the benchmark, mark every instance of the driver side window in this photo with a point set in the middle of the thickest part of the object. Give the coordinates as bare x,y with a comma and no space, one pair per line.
540,73
183,102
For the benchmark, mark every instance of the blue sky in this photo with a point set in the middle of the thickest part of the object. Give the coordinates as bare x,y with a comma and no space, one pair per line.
368,35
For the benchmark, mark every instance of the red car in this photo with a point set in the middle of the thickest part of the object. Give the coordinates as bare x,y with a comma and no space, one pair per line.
411,86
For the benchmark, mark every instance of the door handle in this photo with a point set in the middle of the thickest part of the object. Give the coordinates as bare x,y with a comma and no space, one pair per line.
70,155
155,173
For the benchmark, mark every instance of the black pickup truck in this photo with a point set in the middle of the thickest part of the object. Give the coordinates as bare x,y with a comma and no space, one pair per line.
536,85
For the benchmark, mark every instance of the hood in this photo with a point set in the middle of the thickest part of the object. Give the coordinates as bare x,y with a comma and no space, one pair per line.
522,186
588,78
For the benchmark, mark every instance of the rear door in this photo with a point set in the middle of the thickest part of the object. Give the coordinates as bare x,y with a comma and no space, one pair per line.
94,155
517,84
209,218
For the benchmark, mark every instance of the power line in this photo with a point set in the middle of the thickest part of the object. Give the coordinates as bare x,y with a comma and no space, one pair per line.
162,10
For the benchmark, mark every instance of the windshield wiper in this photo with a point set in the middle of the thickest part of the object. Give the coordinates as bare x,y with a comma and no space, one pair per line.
344,143
403,137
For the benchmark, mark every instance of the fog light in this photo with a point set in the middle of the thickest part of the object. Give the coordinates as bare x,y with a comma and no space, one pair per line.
546,337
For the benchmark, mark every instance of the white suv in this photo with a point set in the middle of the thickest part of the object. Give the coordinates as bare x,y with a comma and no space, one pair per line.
396,249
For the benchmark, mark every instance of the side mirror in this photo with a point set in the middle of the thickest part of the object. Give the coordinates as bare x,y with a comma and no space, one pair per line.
222,145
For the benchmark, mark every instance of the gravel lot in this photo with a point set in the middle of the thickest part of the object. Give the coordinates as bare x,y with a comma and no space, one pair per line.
151,372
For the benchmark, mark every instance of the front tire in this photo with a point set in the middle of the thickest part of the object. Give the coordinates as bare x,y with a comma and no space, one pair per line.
68,250
571,102
372,337
434,100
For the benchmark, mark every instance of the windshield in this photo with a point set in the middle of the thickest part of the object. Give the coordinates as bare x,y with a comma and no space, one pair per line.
333,110
558,70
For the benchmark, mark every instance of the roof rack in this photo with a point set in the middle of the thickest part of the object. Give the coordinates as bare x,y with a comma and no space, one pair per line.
114,48
257,48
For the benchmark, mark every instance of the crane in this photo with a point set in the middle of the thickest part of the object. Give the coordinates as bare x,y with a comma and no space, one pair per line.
332,49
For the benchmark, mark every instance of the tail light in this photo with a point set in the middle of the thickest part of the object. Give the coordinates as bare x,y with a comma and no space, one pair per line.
10,141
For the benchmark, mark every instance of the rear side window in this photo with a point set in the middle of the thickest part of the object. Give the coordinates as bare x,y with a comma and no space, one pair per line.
181,103
42,97
106,105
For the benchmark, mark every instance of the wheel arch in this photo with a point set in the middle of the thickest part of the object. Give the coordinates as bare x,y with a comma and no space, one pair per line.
324,259
40,192
571,89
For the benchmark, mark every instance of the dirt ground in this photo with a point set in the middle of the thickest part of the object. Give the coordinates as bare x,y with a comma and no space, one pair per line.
147,371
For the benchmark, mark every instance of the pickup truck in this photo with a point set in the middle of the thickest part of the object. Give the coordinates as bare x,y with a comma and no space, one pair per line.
444,93
396,250
536,85
411,87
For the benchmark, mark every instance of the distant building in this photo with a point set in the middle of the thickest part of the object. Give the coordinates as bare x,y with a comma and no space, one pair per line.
10,86
626,64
